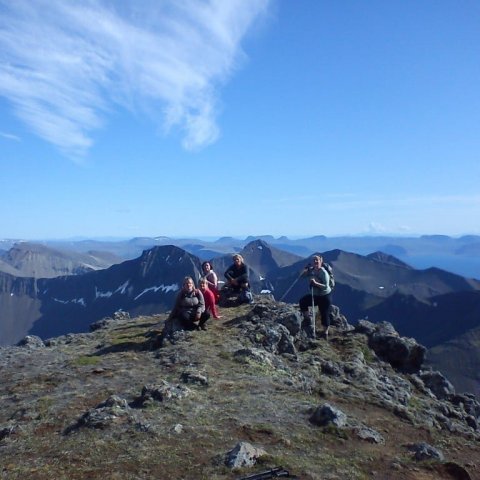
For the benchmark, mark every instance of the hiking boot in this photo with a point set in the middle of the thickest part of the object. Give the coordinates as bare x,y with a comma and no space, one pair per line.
325,333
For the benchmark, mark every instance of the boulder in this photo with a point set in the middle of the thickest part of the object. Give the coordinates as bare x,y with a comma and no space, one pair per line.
113,410
163,392
326,415
424,451
437,384
369,434
190,376
243,455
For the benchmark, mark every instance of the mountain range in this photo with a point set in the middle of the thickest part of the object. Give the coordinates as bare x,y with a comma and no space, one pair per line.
458,255
438,308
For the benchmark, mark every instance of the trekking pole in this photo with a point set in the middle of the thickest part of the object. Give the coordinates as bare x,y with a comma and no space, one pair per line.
291,286
313,315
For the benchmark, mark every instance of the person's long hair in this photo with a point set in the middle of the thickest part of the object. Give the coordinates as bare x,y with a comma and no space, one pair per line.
237,255
186,279
207,263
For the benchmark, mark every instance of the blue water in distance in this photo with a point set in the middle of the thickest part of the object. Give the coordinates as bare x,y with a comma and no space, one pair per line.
461,265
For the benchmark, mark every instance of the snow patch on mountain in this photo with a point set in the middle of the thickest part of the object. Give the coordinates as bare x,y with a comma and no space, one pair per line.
122,287
80,301
164,288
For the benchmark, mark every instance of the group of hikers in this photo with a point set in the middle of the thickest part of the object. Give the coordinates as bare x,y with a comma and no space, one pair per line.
195,306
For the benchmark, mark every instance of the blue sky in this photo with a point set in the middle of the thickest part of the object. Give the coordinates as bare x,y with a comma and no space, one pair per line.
239,117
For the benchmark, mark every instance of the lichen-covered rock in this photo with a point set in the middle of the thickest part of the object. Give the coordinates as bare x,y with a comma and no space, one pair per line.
102,323
271,313
404,354
339,321
191,376
243,455
369,434
31,341
7,430
331,368
424,451
437,383
326,415
254,354
468,402
113,410
272,337
121,315
163,392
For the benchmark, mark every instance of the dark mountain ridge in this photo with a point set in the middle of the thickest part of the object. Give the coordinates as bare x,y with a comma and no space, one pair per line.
144,285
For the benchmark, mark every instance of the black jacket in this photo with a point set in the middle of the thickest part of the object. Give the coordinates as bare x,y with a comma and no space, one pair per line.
238,273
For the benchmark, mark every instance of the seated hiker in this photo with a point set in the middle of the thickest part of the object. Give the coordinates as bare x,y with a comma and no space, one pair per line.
189,306
237,279
210,306
211,277
320,295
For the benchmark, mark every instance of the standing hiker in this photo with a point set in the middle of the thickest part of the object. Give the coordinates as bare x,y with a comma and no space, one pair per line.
320,295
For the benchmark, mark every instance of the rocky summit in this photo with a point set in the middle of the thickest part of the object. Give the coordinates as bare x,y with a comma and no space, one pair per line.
249,395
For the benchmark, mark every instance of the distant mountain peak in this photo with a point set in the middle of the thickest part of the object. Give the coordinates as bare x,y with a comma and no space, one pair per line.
386,258
256,243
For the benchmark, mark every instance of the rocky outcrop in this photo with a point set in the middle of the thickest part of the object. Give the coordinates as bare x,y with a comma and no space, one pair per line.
437,384
402,353
31,341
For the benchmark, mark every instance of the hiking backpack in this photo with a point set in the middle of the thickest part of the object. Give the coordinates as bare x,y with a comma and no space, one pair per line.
328,268
246,296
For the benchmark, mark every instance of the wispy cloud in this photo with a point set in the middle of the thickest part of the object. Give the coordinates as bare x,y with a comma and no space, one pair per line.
65,65
10,136
380,228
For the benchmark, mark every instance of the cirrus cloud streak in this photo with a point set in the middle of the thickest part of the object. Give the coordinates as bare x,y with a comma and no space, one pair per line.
64,66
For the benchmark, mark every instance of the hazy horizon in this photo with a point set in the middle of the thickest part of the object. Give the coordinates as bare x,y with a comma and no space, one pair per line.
236,237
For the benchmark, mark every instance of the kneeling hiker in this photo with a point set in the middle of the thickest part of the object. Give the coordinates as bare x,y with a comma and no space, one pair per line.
187,310
237,279
319,282
210,306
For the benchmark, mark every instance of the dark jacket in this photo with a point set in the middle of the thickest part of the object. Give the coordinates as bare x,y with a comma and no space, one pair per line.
239,273
188,302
